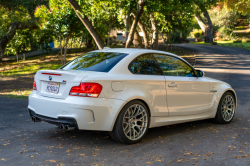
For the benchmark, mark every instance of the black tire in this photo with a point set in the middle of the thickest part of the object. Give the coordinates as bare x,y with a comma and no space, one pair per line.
219,118
118,133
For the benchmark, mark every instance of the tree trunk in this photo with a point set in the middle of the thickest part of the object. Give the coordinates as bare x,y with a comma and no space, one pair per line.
24,52
200,22
65,49
208,27
87,23
168,34
144,32
11,33
60,40
163,38
16,57
127,23
89,43
141,4
108,37
137,40
155,31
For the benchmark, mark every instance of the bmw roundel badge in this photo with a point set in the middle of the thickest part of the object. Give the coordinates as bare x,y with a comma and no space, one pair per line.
50,78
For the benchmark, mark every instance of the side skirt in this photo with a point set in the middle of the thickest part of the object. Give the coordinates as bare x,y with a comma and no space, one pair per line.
164,121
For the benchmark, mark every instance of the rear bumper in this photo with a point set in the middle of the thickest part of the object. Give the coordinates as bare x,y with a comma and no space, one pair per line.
56,121
83,112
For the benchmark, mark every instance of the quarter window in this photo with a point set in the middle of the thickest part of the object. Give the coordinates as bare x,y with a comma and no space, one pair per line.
145,64
172,66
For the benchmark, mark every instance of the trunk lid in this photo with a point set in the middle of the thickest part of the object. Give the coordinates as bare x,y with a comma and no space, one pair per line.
57,83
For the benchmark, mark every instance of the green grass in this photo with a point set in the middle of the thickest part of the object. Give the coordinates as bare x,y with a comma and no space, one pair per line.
227,43
30,69
32,65
15,95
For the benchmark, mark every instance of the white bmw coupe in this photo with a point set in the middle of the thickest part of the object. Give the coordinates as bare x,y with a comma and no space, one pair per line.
127,91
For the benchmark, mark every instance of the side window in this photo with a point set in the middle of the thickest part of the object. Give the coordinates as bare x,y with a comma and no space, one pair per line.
172,66
145,64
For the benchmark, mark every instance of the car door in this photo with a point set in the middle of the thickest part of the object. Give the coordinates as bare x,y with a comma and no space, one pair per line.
186,93
149,79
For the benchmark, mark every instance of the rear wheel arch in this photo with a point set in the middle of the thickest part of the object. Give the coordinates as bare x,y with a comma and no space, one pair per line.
118,132
146,104
135,99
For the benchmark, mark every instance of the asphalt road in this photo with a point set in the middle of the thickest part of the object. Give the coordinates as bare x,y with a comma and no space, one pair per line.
23,142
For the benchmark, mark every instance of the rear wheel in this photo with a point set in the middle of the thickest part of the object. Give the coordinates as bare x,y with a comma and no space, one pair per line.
132,123
226,109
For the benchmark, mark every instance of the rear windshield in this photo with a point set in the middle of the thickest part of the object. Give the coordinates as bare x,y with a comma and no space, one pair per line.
95,61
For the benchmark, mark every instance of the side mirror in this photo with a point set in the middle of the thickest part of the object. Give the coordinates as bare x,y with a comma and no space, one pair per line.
200,73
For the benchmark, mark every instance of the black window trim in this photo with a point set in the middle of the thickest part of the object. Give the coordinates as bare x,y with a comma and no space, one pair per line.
162,74
195,73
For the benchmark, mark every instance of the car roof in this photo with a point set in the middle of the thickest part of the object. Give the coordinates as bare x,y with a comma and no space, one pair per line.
132,50
120,50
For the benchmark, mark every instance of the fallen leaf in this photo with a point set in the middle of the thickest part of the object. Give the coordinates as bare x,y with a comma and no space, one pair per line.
179,161
52,161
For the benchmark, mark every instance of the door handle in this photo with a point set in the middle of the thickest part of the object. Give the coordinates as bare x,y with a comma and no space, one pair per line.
172,85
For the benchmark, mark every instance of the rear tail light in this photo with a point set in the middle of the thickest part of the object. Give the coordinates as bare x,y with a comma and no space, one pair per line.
34,85
86,90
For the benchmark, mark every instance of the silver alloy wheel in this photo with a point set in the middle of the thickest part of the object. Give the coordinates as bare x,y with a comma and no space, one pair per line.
135,121
228,108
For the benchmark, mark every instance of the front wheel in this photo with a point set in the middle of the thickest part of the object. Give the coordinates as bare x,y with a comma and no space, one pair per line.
226,109
132,123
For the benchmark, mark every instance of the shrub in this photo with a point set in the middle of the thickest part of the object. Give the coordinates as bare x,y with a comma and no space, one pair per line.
197,34
237,41
195,31
245,40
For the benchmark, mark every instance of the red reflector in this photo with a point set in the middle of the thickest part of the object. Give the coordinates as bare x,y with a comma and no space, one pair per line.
34,85
86,90
52,74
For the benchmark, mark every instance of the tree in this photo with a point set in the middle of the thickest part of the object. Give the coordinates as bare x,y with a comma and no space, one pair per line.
141,4
60,21
206,27
4,40
242,6
18,17
155,31
144,32
79,12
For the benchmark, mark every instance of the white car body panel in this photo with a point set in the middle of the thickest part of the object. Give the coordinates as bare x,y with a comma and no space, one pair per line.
191,96
120,86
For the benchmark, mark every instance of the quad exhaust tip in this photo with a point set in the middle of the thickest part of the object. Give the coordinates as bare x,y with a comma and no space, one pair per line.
34,119
66,127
